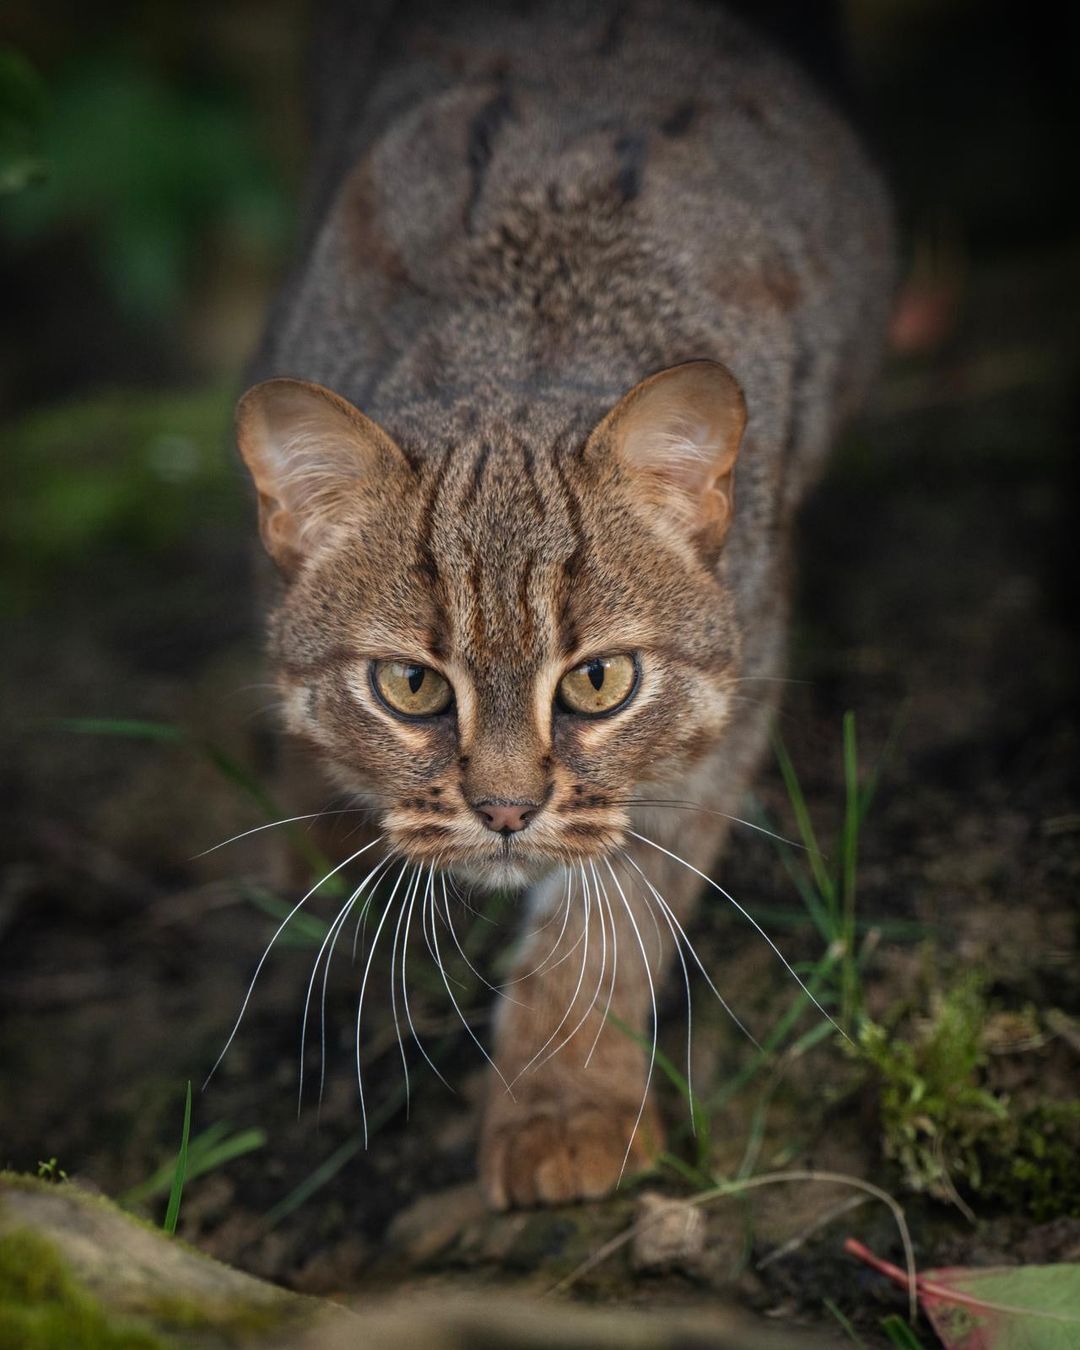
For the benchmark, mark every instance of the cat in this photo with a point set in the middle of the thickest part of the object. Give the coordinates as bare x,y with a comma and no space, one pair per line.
585,293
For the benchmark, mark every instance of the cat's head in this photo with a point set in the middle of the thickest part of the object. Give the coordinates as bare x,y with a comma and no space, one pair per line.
498,643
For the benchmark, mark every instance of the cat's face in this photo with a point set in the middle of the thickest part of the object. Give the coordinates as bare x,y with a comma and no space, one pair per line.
497,645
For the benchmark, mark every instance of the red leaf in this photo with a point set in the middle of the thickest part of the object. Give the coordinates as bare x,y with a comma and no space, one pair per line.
995,1308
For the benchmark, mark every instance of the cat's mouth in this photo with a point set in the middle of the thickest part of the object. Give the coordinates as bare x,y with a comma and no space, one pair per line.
507,859
512,864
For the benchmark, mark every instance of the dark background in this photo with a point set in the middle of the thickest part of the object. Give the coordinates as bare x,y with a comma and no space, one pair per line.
150,163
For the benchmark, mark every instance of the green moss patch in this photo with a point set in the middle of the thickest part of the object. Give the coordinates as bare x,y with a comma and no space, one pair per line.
43,1308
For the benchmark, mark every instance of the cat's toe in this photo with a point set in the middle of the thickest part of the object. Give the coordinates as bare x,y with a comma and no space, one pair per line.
546,1159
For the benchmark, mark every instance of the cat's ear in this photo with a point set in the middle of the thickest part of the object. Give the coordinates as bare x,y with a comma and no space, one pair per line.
678,435
309,453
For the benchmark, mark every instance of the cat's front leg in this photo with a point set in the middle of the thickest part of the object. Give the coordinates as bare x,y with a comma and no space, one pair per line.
570,1110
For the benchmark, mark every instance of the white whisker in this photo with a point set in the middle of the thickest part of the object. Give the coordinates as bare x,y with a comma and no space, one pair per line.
655,1019
689,1003
495,988
329,939
721,815
596,992
558,943
461,1016
406,908
280,929
586,906
273,824
602,891
671,918
429,891
363,987
751,920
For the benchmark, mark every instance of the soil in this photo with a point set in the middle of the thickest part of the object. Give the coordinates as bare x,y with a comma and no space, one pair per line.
934,598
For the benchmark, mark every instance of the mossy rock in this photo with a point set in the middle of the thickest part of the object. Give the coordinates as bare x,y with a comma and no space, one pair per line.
76,1273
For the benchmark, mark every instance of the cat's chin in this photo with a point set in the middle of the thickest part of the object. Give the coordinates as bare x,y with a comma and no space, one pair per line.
502,874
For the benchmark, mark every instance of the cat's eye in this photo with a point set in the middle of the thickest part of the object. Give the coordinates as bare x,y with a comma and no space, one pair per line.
410,689
600,685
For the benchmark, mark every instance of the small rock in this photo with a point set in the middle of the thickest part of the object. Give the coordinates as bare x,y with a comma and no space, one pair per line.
670,1233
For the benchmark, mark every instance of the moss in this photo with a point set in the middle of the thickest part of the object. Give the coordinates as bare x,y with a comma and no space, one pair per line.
43,1308
232,1323
949,1133
1029,1163
933,1106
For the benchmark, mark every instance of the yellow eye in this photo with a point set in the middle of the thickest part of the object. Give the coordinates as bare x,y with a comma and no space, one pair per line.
599,685
411,689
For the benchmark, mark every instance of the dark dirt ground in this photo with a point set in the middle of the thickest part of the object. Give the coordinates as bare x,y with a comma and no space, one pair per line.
935,592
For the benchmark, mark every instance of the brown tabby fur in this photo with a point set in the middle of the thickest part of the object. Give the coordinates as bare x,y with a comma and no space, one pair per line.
530,213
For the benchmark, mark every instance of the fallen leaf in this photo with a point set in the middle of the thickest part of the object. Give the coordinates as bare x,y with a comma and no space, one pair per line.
996,1307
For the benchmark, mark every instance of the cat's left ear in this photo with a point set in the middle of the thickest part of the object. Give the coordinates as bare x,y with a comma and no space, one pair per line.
678,435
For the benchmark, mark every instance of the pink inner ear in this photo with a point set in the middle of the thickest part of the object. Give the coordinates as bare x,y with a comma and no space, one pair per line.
682,429
305,448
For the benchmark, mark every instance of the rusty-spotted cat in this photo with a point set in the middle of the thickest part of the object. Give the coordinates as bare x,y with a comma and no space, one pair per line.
585,293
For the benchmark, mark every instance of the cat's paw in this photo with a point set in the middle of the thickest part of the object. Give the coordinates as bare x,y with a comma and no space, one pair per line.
544,1155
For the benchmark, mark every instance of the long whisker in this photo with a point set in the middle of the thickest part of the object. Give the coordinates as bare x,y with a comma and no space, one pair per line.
495,988
655,1019
671,918
363,987
461,1016
429,891
375,879
586,906
602,891
280,929
328,939
675,942
596,992
708,811
406,908
536,969
273,824
753,922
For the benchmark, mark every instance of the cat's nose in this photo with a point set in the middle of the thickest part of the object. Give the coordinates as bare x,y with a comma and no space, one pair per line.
505,817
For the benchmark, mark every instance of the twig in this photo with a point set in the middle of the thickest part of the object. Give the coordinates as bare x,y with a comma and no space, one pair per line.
822,1221
729,1188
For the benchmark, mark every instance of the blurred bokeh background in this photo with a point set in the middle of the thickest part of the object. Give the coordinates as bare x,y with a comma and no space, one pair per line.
151,160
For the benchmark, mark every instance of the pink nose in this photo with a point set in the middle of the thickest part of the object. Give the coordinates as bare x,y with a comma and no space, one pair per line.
505,817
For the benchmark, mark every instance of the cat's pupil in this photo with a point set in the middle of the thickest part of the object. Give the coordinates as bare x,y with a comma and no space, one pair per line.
415,677
595,672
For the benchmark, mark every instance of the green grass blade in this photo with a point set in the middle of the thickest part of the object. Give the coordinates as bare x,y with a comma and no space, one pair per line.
172,1213
129,727
206,1152
845,1323
849,846
900,1333
160,1182
779,1032
305,930
229,768
849,839
695,1179
822,879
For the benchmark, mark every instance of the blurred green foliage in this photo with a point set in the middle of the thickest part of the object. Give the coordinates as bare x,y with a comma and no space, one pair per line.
126,469
150,169
22,111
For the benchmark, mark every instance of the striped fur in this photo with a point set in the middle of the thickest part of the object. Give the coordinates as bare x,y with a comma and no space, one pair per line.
535,209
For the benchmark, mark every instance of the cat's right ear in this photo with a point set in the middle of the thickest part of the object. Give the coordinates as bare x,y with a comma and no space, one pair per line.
677,436
309,453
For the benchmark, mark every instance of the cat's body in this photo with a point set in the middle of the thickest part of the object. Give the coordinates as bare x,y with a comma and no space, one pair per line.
528,214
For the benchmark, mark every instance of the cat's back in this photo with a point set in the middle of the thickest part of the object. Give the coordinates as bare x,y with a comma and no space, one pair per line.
527,198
